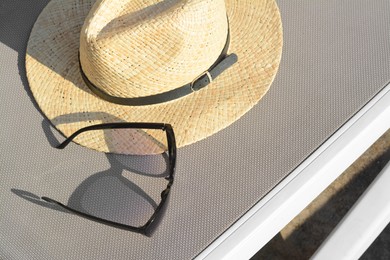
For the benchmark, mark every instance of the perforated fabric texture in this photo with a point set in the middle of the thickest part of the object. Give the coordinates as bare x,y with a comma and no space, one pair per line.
336,57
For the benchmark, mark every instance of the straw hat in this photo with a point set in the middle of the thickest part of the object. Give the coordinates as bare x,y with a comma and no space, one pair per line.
198,65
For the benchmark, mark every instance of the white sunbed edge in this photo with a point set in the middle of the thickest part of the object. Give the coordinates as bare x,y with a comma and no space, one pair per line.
266,218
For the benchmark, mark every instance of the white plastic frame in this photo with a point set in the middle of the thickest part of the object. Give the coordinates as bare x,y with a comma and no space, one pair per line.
259,225
362,224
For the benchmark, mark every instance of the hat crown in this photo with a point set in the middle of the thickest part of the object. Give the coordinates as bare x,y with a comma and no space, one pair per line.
131,48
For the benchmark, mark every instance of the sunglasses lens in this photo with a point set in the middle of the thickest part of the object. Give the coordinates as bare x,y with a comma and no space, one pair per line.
117,200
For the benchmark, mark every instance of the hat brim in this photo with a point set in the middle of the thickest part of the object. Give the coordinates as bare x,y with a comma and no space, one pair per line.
55,81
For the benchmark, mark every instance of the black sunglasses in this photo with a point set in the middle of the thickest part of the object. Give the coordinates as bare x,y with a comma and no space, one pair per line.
144,229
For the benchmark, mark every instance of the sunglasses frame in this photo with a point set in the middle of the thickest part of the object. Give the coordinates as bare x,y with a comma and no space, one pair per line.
144,229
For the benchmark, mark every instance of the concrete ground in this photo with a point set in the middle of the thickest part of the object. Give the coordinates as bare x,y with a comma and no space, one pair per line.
305,233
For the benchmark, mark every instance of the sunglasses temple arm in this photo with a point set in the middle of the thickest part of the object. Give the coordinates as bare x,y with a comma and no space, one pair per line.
67,140
82,130
100,220
110,126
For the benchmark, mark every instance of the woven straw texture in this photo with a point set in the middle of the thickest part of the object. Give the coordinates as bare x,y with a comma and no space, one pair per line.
148,28
132,51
